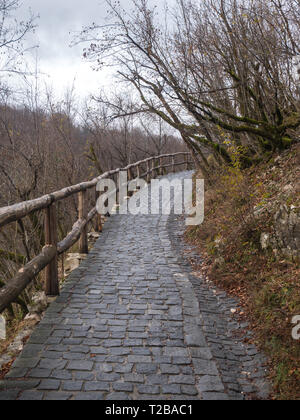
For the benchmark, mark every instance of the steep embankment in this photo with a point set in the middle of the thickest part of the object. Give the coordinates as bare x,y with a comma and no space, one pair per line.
250,242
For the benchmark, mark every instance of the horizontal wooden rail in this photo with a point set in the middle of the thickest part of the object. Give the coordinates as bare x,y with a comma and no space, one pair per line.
18,211
10,292
75,234
48,257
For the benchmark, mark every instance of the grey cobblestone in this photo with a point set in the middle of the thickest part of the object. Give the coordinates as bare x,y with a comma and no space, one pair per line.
23,363
32,396
97,386
171,389
149,389
224,355
9,395
57,396
49,384
133,323
135,378
89,396
122,387
80,365
39,373
72,386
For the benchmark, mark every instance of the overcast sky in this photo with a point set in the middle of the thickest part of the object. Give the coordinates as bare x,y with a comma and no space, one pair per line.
57,23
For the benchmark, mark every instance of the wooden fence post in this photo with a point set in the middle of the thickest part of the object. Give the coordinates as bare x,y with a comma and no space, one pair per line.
173,164
99,226
161,171
52,283
129,178
148,172
129,174
116,179
82,212
153,168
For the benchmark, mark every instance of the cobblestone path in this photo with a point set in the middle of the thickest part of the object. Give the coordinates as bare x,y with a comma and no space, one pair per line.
128,325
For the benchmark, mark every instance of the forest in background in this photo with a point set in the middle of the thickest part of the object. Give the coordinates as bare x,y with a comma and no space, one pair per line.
48,144
44,150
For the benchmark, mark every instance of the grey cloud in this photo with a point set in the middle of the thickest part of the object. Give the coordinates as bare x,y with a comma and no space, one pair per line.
58,21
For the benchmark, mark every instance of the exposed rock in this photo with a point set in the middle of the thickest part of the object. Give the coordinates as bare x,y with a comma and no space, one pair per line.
286,237
39,303
17,345
287,231
258,211
288,188
219,245
2,328
33,317
72,262
265,241
219,262
15,348
94,236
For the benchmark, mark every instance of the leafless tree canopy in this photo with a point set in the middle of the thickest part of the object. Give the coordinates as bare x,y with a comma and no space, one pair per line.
218,71
43,150
12,34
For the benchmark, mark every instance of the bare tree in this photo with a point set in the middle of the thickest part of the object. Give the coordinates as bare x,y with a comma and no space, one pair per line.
218,71
121,139
12,35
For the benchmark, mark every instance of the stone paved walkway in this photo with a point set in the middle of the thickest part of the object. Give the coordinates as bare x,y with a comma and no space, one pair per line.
127,326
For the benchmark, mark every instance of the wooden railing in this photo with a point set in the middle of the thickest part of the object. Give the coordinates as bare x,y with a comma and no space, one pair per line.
148,169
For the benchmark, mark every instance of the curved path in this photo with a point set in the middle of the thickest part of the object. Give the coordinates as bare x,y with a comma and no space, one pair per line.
128,325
